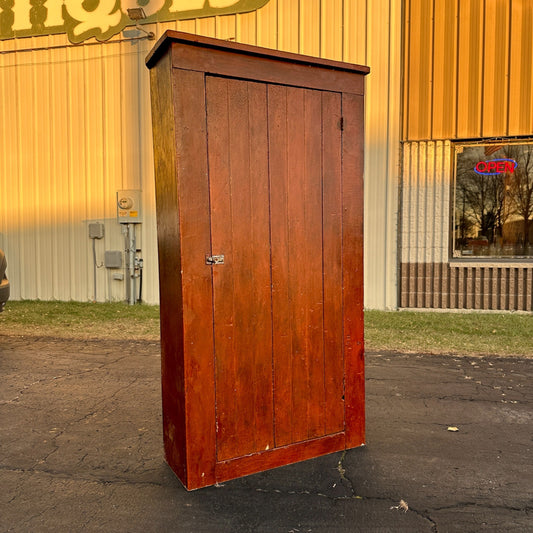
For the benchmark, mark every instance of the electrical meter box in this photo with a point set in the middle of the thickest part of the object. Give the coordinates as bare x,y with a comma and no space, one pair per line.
129,207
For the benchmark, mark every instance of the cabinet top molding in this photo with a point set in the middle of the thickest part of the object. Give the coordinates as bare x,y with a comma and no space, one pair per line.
171,37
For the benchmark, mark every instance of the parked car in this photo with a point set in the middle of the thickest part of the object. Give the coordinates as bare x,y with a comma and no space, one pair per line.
4,283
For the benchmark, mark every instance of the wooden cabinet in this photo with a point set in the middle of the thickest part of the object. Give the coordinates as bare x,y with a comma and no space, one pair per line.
259,191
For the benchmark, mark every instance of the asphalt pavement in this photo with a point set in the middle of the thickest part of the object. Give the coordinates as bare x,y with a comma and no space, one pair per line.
449,448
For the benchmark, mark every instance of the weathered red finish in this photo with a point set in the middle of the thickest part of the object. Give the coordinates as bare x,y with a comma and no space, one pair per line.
259,158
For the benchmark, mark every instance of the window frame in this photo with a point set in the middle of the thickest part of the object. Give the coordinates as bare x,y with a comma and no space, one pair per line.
455,255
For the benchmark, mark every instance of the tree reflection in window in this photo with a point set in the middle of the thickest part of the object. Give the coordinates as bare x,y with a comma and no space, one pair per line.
493,213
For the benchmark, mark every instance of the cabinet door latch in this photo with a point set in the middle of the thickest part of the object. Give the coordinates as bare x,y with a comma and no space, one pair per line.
214,259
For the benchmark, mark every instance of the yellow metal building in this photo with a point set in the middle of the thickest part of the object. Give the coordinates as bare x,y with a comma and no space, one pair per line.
75,128
467,83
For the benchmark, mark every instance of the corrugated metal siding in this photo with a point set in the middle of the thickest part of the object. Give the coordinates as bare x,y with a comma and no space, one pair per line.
425,193
76,127
468,69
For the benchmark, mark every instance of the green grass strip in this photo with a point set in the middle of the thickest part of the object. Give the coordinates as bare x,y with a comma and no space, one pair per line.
470,333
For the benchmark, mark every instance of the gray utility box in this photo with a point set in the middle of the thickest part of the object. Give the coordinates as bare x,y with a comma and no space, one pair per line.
113,259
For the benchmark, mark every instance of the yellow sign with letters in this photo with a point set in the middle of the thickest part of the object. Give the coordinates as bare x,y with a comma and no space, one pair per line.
101,19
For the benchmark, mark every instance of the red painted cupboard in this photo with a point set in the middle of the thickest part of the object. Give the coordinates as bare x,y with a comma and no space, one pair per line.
259,194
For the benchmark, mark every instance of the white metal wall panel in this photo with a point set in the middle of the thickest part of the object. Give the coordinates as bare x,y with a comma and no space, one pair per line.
76,127
425,194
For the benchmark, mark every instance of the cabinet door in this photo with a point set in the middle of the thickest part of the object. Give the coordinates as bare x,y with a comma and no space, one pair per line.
274,163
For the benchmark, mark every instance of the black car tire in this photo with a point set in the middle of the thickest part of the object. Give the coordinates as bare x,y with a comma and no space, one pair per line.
4,283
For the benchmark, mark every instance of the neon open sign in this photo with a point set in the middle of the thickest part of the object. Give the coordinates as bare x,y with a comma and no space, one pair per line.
495,166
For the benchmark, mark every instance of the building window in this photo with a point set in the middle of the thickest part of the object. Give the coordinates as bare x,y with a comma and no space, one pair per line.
493,200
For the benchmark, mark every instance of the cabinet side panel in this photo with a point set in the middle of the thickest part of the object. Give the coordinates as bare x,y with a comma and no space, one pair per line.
197,297
172,377
352,251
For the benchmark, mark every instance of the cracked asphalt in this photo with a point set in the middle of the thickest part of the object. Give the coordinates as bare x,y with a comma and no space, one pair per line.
81,450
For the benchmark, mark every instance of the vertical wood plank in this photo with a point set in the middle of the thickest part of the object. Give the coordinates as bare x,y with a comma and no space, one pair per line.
238,163
297,254
262,282
352,267
297,257
217,95
238,228
282,347
314,319
332,201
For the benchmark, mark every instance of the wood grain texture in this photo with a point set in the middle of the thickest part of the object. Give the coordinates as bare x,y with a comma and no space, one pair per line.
172,367
238,164
281,334
173,38
265,366
332,232
352,268
316,263
197,306
285,455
